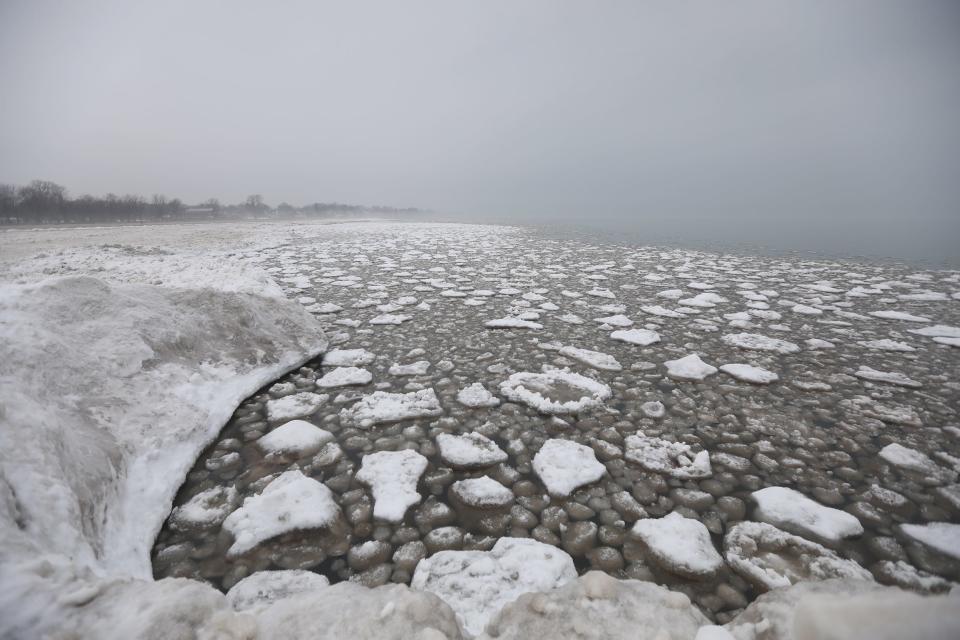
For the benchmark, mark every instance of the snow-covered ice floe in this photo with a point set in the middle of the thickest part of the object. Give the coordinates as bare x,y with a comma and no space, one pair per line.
555,391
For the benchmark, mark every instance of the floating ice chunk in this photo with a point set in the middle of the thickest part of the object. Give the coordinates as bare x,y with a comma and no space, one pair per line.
291,502
347,358
469,451
595,359
297,405
770,558
898,315
641,337
663,312
952,342
476,395
705,300
599,292
817,343
911,460
206,509
662,456
381,406
680,545
555,391
943,537
618,320
570,318
750,373
886,345
477,584
563,466
418,368
938,331
807,310
392,477
759,342
792,511
671,294
296,437
344,377
653,409
325,308
482,493
389,318
689,368
263,588
890,377
511,323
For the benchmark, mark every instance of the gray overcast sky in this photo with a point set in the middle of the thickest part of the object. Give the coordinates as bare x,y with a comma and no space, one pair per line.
824,122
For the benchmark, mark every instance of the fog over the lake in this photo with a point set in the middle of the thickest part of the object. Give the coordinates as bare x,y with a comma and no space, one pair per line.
826,125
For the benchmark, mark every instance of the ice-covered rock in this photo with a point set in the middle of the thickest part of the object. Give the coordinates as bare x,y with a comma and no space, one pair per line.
640,337
680,545
476,396
792,511
296,437
392,477
291,502
597,605
770,558
344,377
750,373
469,451
382,406
662,456
477,584
563,466
263,588
555,391
689,368
297,405
759,342
595,359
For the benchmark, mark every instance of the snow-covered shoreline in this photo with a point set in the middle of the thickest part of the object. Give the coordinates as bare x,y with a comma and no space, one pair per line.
122,358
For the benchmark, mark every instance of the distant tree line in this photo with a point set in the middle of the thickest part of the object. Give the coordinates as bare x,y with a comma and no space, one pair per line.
46,202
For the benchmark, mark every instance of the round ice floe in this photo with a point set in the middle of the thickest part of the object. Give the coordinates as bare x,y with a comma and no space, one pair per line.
641,337
347,357
263,588
680,545
749,373
689,368
563,466
477,584
555,391
206,509
297,405
296,437
760,343
595,359
344,377
482,493
469,451
770,558
392,477
476,396
291,502
662,456
792,511
382,406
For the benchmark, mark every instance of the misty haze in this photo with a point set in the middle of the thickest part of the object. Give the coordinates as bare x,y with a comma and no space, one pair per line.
480,320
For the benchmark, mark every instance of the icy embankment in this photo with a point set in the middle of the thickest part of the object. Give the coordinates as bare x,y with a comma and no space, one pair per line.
109,389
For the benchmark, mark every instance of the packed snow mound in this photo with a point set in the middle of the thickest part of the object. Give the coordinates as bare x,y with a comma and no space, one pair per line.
556,391
263,588
769,558
145,376
477,584
843,609
349,610
680,545
596,605
792,511
291,502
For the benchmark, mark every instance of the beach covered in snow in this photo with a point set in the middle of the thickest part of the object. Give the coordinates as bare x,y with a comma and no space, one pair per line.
424,430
